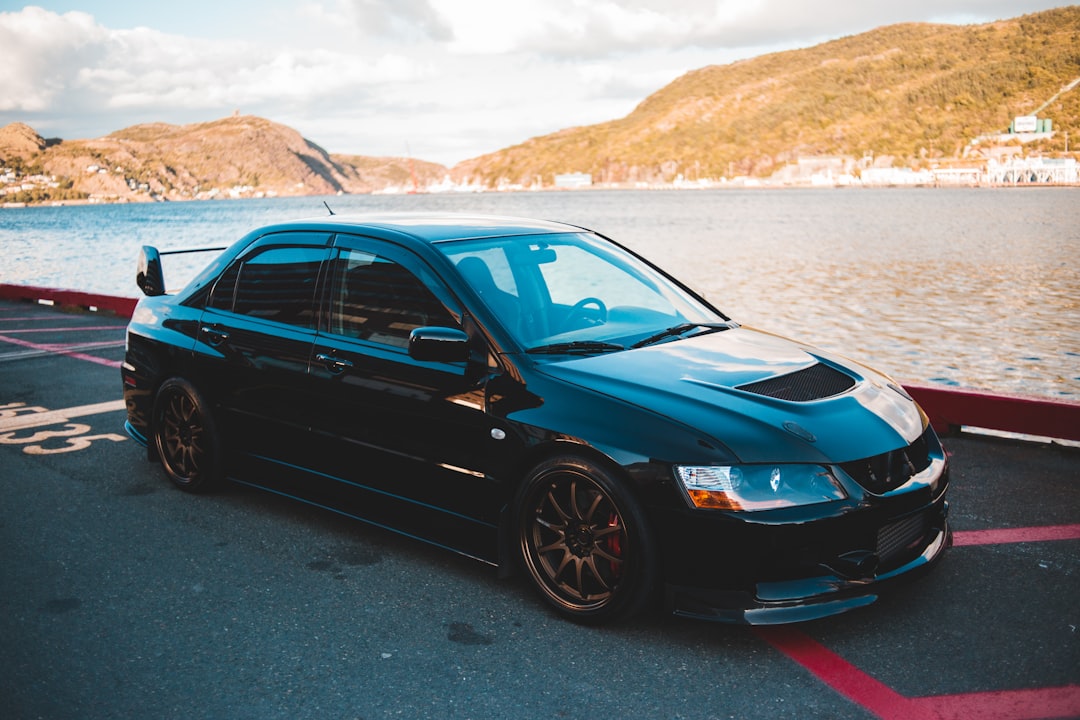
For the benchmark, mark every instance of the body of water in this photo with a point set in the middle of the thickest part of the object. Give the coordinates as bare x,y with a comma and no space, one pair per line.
967,287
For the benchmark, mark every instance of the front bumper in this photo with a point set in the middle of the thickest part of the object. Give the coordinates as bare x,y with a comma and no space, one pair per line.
810,598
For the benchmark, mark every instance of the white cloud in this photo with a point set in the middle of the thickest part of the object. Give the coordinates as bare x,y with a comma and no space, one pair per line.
403,19
68,63
40,47
451,79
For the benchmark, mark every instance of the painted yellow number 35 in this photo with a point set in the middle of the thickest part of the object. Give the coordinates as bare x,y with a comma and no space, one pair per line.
72,436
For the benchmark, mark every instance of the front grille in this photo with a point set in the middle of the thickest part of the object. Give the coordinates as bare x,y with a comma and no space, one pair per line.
813,383
894,539
888,471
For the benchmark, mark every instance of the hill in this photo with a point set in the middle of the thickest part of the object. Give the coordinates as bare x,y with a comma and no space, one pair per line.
905,95
911,92
19,142
232,157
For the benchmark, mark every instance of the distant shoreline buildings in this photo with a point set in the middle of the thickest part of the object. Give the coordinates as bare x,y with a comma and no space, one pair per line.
992,160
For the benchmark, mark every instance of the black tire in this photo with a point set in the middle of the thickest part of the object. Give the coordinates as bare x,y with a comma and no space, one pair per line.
584,541
185,437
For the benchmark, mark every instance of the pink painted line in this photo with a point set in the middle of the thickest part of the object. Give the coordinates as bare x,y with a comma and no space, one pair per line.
64,329
54,350
90,358
1016,535
878,698
60,316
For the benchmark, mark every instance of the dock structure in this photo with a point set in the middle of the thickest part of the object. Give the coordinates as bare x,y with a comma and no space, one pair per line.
1034,171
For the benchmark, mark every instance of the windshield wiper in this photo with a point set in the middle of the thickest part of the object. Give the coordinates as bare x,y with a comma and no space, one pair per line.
577,347
676,330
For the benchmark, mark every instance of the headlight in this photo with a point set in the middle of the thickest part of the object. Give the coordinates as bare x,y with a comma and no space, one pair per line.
758,487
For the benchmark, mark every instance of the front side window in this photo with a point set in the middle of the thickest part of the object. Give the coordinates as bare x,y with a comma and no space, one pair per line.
378,299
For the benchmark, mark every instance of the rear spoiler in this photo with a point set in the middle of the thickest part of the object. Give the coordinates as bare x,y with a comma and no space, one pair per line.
149,277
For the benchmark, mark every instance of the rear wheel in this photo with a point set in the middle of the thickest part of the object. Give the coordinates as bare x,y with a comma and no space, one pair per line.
185,437
584,541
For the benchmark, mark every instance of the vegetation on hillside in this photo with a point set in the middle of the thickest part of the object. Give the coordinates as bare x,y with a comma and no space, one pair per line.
914,92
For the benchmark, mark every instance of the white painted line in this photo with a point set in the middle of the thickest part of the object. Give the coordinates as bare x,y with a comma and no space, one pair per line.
52,417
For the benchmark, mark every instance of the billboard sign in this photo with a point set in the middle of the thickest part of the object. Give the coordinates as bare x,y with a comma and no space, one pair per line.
1025,123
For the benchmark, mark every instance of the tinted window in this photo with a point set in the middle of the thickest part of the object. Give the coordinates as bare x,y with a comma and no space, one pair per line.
276,284
224,291
380,300
498,268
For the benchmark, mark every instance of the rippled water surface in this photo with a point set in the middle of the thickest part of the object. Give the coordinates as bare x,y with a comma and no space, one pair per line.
968,287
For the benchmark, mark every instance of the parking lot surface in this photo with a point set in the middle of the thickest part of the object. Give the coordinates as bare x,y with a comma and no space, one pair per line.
122,597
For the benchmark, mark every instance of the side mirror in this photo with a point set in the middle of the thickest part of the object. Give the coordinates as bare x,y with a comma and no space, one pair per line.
439,344
149,276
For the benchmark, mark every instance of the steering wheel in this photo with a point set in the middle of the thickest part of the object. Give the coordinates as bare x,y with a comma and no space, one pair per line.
580,309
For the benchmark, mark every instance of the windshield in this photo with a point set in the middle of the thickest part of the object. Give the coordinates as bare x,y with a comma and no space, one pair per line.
574,291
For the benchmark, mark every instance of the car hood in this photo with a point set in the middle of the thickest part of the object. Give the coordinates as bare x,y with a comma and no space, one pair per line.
701,382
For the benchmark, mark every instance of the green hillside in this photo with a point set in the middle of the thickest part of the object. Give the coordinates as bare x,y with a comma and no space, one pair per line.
915,92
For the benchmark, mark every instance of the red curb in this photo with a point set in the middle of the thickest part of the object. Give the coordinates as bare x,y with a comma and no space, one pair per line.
949,409
120,306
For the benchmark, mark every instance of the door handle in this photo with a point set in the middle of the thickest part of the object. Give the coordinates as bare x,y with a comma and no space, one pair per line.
214,337
333,364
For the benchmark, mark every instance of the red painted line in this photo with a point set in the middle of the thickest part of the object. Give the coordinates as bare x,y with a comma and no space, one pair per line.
1016,535
843,677
54,350
1061,702
878,698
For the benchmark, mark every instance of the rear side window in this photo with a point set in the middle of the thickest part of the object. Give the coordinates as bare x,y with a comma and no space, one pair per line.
276,284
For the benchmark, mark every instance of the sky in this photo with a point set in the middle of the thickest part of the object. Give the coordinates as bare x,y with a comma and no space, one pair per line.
437,80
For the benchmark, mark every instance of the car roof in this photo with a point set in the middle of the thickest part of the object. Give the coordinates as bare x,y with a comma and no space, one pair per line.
431,227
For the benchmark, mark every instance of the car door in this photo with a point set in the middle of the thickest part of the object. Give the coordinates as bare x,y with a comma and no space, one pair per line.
254,346
411,439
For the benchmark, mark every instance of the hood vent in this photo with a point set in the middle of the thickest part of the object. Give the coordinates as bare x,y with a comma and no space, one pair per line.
813,383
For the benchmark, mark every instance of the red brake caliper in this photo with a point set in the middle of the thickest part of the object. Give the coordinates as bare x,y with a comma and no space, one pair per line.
614,546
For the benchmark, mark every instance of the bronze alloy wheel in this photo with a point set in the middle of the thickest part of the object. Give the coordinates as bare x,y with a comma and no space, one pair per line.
185,436
584,542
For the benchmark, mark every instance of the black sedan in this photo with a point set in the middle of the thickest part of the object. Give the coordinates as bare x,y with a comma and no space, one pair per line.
534,395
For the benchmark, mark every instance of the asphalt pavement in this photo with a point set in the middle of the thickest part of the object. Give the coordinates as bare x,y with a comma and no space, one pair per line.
121,597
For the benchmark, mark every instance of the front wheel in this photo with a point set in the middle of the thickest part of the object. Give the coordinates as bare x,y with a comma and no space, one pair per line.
186,437
584,541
